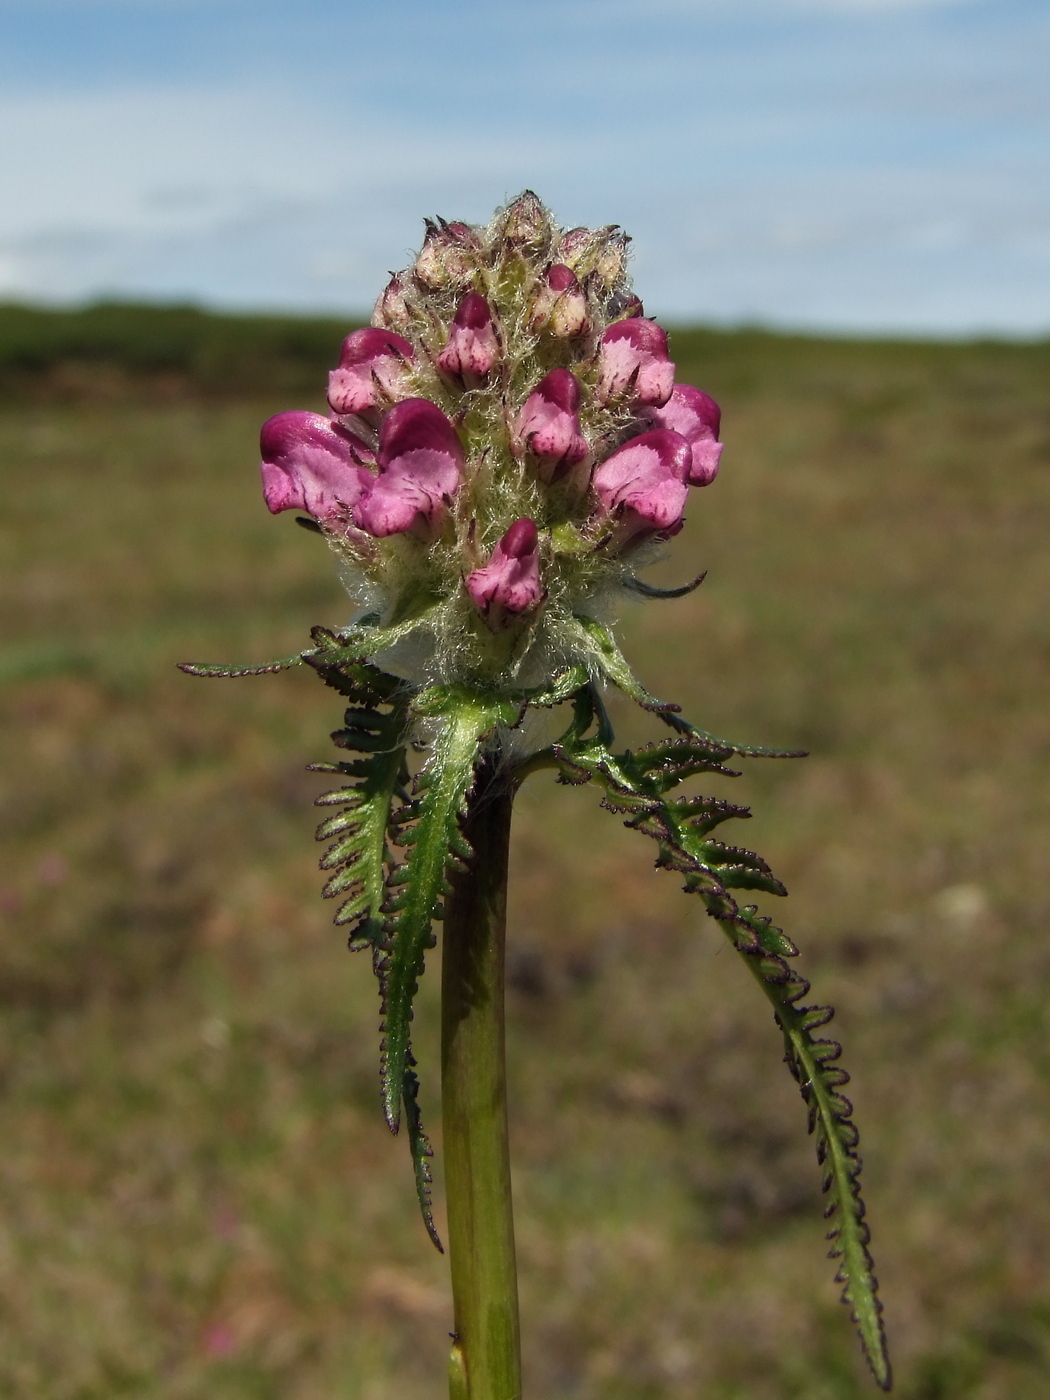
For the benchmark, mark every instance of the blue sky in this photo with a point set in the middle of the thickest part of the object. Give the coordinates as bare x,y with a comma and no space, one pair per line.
872,165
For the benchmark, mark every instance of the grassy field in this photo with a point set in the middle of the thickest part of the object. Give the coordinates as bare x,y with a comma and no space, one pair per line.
198,1198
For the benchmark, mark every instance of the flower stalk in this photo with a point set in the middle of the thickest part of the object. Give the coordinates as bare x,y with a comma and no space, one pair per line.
486,1357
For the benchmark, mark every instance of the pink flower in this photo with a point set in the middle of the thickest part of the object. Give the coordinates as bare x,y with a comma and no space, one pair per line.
310,463
473,347
219,1340
371,371
509,584
696,416
633,362
561,305
420,466
643,485
549,425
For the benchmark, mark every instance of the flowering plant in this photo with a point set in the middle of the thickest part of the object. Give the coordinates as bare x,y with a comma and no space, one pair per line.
506,451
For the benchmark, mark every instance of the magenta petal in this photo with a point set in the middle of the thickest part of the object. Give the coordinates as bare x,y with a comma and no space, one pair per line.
634,362
706,457
509,584
420,466
371,370
394,505
644,481
312,464
549,424
418,425
697,417
473,348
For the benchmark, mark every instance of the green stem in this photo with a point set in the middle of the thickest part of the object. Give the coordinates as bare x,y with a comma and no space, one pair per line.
486,1355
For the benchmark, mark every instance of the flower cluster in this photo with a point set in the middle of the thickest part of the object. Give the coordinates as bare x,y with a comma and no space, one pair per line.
501,442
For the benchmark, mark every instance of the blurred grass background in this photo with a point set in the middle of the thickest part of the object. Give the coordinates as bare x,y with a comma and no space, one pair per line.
197,1195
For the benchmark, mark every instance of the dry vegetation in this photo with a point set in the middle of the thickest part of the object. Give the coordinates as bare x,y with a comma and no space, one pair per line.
197,1195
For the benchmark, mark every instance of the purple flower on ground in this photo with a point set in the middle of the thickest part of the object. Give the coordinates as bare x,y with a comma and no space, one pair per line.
696,416
549,425
634,363
420,466
473,348
371,371
509,584
643,485
310,463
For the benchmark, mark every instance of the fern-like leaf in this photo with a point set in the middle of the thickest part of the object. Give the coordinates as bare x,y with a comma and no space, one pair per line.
422,1153
374,726
222,671
431,836
635,784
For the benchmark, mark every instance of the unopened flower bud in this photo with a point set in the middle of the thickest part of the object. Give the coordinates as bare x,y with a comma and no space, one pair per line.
391,310
420,467
696,417
611,261
634,363
310,463
628,306
509,584
560,304
473,348
371,371
574,243
643,485
549,426
526,222
448,255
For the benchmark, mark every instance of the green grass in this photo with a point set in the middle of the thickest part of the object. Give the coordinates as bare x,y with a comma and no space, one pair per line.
197,1195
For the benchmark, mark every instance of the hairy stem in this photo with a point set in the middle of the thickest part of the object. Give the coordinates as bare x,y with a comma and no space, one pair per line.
486,1355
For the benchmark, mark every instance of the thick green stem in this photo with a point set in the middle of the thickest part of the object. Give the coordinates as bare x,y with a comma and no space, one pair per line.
486,1355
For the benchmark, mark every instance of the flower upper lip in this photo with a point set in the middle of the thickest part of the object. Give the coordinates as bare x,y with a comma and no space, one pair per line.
311,463
420,462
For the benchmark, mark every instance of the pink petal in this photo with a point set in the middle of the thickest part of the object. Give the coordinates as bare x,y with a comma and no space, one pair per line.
549,424
697,417
509,584
371,371
644,482
634,361
420,465
312,464
472,349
